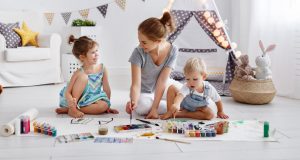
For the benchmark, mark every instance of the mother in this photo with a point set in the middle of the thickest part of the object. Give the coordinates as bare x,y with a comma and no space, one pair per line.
151,64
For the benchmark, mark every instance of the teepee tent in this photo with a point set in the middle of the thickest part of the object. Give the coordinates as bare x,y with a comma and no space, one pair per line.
200,33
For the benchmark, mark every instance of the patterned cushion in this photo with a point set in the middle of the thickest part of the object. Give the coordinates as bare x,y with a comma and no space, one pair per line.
13,40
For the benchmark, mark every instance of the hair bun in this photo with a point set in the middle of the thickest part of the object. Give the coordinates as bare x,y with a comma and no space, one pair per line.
168,21
72,39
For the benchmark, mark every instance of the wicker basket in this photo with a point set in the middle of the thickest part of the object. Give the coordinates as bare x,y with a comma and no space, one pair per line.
252,91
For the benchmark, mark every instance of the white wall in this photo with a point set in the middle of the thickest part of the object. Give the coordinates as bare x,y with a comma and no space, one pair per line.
118,30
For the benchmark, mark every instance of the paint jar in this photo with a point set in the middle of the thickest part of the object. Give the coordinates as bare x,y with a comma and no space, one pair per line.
192,133
191,126
213,133
103,130
180,129
197,133
202,132
54,131
170,127
207,133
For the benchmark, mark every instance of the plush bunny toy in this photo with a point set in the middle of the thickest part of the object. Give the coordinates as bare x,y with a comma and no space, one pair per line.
263,62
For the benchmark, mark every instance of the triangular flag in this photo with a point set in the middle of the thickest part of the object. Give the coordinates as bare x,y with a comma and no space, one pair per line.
84,13
103,9
121,3
49,17
66,16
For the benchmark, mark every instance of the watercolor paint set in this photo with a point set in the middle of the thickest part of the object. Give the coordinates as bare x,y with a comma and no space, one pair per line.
132,128
75,137
113,140
44,128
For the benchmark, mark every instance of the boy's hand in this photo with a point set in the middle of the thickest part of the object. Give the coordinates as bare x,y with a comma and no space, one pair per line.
222,115
152,114
130,106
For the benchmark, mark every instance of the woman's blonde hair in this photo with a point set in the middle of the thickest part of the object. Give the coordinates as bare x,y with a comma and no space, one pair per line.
195,65
155,28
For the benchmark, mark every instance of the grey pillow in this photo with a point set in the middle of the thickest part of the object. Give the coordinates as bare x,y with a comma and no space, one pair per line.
13,40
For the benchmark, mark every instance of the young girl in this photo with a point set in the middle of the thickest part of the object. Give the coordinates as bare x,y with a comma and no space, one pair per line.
193,97
151,64
88,91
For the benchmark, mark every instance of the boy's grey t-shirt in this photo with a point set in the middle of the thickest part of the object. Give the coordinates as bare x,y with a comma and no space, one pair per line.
149,70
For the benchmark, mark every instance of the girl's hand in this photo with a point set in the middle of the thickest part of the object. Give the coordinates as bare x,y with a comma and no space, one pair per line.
222,115
72,103
130,106
152,114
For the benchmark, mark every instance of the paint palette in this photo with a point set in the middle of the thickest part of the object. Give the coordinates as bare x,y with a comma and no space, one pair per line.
132,128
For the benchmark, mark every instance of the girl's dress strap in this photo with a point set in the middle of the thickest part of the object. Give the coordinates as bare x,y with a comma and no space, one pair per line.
81,69
102,68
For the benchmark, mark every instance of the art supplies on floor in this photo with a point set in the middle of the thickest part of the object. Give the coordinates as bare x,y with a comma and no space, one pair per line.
74,137
44,128
132,128
113,140
10,127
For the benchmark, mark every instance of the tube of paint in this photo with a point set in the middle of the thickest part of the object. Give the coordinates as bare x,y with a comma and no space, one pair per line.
22,124
266,129
25,124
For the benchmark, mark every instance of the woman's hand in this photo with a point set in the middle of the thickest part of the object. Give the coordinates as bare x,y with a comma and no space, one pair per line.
152,114
130,106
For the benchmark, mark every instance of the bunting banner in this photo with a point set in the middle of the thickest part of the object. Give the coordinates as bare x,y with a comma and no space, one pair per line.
84,13
103,9
66,16
121,4
49,17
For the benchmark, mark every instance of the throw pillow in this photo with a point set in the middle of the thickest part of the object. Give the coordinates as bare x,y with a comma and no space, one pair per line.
28,37
12,39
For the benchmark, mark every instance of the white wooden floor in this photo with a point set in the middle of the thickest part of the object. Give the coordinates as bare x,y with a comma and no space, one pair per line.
282,113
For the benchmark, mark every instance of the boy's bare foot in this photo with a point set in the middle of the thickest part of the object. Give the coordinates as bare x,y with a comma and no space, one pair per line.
62,110
75,113
113,111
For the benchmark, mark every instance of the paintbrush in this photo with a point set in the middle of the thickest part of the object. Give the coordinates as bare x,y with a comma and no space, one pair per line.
148,122
173,140
130,112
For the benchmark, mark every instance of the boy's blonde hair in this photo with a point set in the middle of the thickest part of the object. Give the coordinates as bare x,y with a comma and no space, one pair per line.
195,65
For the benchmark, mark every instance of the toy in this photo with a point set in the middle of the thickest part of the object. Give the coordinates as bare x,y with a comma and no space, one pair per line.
243,70
263,62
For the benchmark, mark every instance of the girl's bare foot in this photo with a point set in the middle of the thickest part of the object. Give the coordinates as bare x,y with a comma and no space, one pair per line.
75,113
182,113
62,110
169,114
113,111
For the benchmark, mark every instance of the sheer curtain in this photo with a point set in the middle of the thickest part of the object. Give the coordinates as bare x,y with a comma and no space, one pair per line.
272,21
